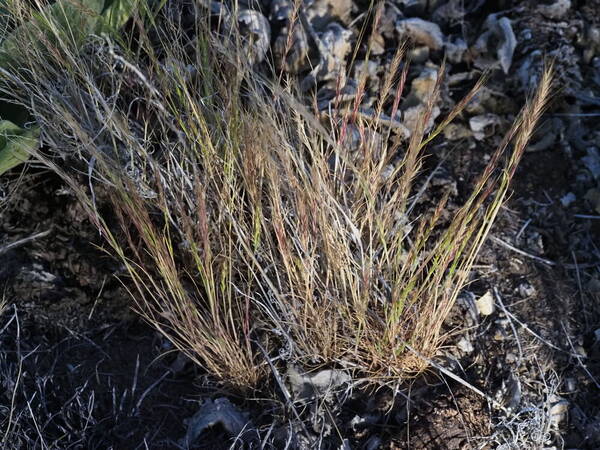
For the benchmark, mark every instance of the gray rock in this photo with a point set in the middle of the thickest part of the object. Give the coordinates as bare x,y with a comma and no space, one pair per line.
421,32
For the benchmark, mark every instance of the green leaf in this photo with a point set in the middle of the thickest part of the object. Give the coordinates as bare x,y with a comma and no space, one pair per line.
4,21
16,144
65,22
68,22
116,13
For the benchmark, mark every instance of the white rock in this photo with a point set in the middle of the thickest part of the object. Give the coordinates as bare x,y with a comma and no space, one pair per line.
567,199
320,384
526,290
484,125
555,10
465,345
485,304
558,410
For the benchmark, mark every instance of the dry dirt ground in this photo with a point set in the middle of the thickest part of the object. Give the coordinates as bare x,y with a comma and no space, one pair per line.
78,369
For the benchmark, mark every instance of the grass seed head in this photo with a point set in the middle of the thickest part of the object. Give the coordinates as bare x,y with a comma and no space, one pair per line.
241,219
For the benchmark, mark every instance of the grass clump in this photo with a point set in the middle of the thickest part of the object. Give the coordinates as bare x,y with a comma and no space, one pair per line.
249,228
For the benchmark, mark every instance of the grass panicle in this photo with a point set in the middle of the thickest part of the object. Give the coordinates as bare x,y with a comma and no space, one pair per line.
243,219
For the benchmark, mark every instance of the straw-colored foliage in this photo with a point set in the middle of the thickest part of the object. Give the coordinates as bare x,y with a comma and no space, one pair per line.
244,221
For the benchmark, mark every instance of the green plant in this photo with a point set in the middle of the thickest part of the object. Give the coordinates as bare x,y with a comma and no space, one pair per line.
16,144
245,224
65,22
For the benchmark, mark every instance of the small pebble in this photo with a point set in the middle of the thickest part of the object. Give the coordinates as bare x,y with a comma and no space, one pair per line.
570,384
567,199
485,304
465,345
558,411
526,290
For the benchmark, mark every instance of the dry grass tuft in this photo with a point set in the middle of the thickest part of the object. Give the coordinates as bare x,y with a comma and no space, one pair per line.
240,220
